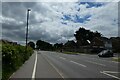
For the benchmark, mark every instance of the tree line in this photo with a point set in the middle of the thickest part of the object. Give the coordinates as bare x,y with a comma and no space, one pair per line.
83,38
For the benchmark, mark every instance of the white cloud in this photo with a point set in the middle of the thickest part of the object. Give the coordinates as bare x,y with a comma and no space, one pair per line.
45,20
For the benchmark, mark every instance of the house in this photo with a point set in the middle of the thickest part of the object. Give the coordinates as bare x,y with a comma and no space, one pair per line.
102,42
107,43
9,42
97,43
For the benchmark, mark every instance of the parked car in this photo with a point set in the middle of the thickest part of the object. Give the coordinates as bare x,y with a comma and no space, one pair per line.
106,53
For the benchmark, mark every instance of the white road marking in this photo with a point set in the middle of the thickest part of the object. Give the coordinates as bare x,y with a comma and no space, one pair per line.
62,58
55,68
109,74
78,64
34,69
96,63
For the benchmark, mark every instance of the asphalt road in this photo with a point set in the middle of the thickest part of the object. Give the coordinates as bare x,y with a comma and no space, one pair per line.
46,64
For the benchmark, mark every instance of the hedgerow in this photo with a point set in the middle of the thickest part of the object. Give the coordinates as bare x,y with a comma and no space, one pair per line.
13,56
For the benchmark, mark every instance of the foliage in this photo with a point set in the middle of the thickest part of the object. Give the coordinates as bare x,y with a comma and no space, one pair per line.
70,46
43,45
116,59
74,53
82,35
58,46
13,56
31,44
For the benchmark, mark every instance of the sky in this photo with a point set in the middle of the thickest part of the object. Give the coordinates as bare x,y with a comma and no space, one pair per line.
56,22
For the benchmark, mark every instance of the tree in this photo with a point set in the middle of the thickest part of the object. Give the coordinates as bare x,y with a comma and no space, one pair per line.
58,46
70,46
82,35
31,44
43,45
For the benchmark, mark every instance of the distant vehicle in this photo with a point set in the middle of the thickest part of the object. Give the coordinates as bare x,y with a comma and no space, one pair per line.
106,53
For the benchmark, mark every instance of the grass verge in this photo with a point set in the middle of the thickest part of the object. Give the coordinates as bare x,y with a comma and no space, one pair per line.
117,59
75,53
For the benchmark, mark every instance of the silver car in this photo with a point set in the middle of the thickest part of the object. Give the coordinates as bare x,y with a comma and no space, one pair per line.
106,53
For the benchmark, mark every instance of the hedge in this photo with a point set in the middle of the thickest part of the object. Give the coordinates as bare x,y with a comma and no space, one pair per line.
13,56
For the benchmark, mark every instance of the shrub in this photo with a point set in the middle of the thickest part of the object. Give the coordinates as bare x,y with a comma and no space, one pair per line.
13,56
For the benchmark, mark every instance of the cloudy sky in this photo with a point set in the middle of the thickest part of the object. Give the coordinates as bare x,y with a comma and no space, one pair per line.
57,22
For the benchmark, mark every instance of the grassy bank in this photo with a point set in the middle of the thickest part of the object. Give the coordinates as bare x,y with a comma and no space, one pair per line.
13,56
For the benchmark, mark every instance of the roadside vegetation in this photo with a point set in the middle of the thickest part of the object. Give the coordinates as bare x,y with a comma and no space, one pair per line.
75,53
0,60
117,59
13,56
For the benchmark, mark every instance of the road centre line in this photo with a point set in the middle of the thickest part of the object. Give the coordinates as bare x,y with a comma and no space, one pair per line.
109,75
78,63
95,63
34,69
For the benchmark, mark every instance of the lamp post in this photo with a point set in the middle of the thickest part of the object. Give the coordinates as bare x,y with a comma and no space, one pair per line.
27,28
61,44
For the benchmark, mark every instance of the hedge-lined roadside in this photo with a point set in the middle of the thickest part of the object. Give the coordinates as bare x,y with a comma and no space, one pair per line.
13,56
0,60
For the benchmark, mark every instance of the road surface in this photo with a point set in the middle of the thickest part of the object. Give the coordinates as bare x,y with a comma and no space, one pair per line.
46,64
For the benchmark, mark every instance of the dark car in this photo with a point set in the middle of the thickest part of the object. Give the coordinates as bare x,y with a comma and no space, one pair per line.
106,53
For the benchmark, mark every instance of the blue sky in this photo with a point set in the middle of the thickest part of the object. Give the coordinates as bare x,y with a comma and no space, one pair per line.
92,4
77,19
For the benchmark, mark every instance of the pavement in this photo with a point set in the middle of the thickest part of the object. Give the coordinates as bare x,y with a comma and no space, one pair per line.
47,64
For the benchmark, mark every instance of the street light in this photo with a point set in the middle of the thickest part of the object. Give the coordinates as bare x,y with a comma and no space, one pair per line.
27,28
61,44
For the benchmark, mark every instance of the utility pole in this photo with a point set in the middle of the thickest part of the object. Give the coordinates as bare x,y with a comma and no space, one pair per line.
27,28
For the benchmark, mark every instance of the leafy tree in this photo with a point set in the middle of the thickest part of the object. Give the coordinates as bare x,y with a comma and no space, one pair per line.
58,46
43,45
82,35
31,44
70,46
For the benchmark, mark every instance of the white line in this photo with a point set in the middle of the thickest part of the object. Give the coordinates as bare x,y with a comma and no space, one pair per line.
62,58
55,68
111,72
96,63
78,63
34,69
110,75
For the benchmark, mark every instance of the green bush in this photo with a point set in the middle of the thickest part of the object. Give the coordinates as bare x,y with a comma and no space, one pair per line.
13,56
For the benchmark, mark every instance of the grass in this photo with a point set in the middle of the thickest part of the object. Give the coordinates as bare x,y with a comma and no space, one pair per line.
117,59
70,52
